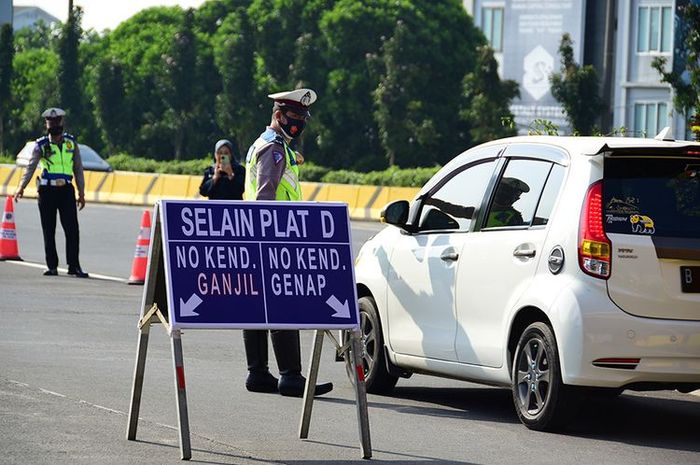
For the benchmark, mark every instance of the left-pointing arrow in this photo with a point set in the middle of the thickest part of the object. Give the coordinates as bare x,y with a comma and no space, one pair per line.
187,308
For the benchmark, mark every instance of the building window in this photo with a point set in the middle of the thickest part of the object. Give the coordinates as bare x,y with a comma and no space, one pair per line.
654,29
650,118
492,26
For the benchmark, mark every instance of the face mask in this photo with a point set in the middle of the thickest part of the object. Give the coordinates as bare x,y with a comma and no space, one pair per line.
55,130
293,128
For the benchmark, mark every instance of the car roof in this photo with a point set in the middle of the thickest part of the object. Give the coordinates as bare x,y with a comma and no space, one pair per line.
591,145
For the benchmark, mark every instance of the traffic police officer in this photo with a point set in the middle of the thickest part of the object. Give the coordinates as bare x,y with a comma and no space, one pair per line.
272,173
58,157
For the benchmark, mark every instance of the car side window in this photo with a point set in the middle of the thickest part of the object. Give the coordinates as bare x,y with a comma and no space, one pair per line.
549,195
452,206
518,193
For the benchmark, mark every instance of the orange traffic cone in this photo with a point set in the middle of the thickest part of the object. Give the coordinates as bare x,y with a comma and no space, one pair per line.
143,242
9,250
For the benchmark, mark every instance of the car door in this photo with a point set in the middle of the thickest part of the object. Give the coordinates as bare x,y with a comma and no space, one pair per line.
422,267
500,259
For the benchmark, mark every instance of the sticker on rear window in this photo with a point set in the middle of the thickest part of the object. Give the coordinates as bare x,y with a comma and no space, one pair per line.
627,206
610,218
642,224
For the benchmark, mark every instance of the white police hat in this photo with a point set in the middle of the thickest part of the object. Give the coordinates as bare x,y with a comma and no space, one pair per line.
53,113
299,99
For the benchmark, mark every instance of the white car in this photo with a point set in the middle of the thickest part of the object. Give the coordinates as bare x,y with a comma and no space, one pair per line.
557,266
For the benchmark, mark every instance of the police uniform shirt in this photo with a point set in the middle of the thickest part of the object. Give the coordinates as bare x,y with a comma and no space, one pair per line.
270,165
78,174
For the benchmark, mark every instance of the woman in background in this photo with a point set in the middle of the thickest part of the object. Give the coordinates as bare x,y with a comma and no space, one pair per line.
225,179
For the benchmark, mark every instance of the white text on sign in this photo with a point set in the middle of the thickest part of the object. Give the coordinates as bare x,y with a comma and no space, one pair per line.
239,223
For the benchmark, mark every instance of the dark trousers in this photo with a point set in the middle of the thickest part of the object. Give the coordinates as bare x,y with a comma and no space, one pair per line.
62,200
285,344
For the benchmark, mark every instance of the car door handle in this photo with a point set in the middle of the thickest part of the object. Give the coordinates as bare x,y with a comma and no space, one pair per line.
524,253
449,256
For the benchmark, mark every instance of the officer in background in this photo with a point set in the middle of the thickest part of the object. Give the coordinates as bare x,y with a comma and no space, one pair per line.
272,173
58,157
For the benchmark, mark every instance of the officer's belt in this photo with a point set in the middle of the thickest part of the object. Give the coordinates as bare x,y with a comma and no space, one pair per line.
53,182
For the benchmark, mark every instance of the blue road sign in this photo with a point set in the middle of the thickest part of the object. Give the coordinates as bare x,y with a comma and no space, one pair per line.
258,265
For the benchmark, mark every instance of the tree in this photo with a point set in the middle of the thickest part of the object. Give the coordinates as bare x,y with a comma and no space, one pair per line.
41,35
34,88
488,99
238,105
211,14
442,44
139,45
576,88
397,93
69,70
176,85
6,55
685,80
111,106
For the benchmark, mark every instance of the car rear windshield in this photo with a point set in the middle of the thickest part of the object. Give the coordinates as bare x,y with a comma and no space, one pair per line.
652,196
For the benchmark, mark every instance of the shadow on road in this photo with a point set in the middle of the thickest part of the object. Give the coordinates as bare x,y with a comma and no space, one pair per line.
234,458
468,403
643,421
630,419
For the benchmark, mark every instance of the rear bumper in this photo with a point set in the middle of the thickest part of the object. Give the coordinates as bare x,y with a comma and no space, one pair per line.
589,327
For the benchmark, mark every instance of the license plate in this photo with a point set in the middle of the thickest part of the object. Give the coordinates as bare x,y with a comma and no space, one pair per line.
690,278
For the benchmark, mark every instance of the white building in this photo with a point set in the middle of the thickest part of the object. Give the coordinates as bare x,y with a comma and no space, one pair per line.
5,12
620,38
28,16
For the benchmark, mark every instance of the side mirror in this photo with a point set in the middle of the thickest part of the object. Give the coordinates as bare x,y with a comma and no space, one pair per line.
395,213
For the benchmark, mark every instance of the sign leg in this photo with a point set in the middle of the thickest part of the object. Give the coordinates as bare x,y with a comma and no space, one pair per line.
311,385
361,396
137,386
184,422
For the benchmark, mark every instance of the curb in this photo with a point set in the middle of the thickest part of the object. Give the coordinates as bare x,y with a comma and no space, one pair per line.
144,189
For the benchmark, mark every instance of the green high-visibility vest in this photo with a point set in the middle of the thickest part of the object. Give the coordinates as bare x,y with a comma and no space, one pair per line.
56,160
289,187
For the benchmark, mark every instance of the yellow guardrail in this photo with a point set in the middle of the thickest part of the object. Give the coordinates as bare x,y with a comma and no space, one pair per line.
129,188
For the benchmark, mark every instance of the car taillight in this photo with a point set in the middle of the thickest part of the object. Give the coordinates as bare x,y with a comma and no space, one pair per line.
593,245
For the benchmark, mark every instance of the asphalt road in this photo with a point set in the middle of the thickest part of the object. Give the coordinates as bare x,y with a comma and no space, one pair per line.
67,350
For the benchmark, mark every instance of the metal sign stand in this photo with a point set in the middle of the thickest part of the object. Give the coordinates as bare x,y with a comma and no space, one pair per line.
353,358
155,310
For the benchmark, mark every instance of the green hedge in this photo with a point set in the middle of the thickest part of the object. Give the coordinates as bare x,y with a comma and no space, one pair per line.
7,159
124,162
409,177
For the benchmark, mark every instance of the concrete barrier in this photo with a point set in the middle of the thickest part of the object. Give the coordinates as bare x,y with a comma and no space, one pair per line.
130,188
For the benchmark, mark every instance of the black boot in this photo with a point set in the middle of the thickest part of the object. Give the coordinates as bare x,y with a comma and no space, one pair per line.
288,353
259,377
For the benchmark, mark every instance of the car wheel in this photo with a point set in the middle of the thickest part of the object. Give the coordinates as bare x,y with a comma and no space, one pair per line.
543,402
377,378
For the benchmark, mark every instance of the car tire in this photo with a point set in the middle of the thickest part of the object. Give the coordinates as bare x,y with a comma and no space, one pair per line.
378,380
542,401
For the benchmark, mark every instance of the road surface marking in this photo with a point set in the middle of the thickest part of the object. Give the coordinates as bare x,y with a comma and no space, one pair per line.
64,270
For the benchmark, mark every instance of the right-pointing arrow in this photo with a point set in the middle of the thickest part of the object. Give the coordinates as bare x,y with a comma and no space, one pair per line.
187,308
342,310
